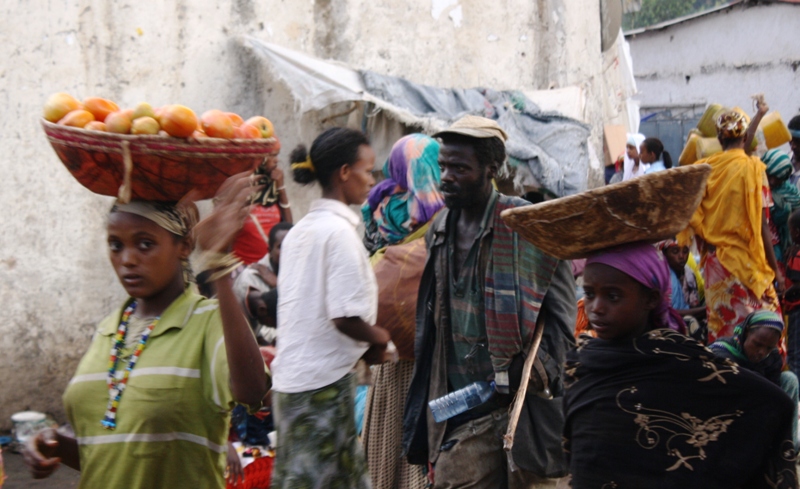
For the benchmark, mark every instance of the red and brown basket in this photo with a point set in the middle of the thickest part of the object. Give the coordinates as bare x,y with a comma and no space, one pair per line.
158,168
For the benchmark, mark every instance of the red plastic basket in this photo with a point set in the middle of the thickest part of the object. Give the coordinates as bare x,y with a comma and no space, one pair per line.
158,168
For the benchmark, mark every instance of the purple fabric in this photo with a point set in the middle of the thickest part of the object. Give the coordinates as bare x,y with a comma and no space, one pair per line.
379,191
395,172
645,264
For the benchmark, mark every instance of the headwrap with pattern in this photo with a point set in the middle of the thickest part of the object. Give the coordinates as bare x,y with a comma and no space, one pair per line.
732,124
779,165
757,319
179,219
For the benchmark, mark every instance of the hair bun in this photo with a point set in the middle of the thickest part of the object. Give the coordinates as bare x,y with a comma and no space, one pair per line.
301,175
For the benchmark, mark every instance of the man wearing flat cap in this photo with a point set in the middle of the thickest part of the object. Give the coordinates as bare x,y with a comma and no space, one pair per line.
482,294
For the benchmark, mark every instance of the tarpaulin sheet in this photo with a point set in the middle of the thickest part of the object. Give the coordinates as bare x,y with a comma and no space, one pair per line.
552,148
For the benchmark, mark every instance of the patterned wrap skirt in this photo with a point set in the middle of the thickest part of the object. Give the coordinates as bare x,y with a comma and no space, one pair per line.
729,300
317,443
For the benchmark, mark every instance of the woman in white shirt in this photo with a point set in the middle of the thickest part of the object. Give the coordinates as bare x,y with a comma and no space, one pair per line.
651,151
327,308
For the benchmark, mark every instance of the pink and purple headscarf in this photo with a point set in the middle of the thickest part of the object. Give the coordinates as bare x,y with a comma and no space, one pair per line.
409,196
645,264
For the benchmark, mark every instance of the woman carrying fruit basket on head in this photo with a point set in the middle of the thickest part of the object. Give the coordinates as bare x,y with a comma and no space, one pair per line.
156,413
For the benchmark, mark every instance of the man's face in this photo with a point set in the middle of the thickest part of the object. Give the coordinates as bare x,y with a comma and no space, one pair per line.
464,179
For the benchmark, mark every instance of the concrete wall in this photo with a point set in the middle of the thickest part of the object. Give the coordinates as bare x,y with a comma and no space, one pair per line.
55,280
723,57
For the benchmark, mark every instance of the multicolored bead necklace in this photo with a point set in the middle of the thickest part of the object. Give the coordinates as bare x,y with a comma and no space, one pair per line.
116,388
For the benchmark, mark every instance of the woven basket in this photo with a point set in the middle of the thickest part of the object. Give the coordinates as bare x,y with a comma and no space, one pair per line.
649,208
155,168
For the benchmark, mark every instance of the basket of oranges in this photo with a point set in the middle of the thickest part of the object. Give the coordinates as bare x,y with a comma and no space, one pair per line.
153,154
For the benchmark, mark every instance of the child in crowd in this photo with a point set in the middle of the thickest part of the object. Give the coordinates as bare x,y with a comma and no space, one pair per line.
652,153
642,391
754,346
685,291
632,165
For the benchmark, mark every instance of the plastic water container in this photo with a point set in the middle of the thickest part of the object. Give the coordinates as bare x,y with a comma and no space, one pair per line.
708,122
27,423
707,147
775,131
461,400
689,153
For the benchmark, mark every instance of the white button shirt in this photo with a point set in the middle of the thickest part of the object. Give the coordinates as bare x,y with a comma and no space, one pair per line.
324,274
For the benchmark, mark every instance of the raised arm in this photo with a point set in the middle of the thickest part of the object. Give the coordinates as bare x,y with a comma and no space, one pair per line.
215,233
762,109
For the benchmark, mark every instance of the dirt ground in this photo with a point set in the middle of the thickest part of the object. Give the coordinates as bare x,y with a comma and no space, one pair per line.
18,476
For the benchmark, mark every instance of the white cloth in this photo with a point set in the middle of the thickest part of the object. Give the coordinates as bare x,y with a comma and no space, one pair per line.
251,279
656,166
628,170
324,274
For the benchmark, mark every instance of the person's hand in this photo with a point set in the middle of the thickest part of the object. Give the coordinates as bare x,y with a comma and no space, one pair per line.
376,355
277,175
231,207
761,104
41,452
234,472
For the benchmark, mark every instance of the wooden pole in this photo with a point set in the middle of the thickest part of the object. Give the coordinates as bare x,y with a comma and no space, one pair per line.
519,400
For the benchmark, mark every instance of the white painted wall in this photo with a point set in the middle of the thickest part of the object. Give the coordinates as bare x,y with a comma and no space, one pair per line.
55,281
728,56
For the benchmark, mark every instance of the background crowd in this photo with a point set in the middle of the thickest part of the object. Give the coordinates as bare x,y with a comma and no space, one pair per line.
438,294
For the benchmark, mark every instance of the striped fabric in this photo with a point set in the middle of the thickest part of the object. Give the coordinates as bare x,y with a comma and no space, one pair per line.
173,419
517,278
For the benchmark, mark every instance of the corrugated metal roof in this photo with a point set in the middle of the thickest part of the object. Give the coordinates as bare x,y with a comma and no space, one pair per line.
686,18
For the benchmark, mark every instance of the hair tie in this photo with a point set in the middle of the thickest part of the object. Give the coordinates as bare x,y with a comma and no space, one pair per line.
304,165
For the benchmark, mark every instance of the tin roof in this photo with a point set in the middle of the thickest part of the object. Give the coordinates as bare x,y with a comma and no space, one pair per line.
728,6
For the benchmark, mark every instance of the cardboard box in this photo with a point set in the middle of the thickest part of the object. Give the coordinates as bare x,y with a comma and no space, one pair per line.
615,137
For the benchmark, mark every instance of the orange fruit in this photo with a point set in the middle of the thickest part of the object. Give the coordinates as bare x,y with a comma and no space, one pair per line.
199,135
59,105
96,126
263,124
246,131
99,107
179,121
77,118
235,118
216,124
119,122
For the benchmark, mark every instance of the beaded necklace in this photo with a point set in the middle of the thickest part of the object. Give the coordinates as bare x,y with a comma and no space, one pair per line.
115,388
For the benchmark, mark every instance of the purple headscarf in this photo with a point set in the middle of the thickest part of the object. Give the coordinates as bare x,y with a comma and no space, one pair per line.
409,196
645,264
